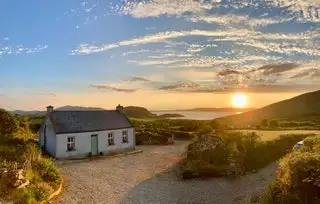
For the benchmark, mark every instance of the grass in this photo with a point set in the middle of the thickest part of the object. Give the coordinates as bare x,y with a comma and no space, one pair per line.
19,150
42,173
272,134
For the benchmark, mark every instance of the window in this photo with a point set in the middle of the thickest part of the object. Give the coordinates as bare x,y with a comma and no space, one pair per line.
110,139
71,144
125,136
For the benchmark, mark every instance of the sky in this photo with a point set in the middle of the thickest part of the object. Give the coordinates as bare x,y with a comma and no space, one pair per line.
160,54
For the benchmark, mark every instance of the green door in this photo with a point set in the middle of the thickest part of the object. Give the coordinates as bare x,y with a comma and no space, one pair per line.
94,144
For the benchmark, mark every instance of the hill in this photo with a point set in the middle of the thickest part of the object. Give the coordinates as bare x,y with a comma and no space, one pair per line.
77,108
22,112
307,104
138,112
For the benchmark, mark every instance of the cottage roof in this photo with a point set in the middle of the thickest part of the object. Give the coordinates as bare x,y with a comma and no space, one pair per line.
88,121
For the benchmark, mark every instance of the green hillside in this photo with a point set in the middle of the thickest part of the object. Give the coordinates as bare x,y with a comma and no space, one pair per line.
138,112
304,105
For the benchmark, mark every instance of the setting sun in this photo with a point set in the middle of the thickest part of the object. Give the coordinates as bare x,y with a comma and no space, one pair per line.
239,100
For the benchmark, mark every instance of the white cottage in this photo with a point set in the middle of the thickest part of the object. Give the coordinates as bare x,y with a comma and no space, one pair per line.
74,134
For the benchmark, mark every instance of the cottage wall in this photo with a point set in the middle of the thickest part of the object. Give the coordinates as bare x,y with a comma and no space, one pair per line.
51,137
83,143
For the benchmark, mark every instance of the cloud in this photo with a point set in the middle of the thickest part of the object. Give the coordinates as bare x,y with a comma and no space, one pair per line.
138,79
154,62
107,87
181,86
300,75
227,72
241,36
10,50
134,52
235,20
277,68
302,10
306,10
170,55
156,8
316,74
155,38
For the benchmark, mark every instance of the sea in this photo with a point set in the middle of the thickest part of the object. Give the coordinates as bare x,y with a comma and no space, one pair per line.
197,115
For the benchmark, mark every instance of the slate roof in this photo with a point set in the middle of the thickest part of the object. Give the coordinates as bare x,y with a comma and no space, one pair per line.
88,121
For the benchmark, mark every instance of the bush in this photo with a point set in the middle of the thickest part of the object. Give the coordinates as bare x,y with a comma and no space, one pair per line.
8,124
41,191
47,171
298,177
182,135
234,153
273,123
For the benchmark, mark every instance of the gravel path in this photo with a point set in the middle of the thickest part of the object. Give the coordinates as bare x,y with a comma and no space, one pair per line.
147,178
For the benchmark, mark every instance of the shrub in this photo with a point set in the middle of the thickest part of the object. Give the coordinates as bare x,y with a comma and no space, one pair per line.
273,123
47,170
41,191
264,123
182,135
22,196
8,124
234,153
298,177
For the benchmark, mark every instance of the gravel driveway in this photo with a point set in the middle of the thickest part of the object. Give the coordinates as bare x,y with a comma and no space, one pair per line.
147,178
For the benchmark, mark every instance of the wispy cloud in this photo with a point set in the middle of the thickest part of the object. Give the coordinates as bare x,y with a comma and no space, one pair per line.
246,37
156,8
303,10
227,72
108,87
155,62
11,50
138,79
135,52
277,68
235,20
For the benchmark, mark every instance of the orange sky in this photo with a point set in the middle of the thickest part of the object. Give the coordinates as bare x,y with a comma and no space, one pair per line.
149,99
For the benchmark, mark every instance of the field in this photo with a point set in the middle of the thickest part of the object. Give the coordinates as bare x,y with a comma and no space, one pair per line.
272,134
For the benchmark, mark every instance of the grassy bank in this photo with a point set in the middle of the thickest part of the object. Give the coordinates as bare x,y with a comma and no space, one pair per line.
21,162
298,177
234,153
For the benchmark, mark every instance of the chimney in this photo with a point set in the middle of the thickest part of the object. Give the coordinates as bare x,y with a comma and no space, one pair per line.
119,108
49,109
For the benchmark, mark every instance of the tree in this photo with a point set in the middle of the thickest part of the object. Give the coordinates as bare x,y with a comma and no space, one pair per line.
264,123
206,129
273,123
8,124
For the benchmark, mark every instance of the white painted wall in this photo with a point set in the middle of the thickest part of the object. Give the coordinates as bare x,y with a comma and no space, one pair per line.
83,143
51,137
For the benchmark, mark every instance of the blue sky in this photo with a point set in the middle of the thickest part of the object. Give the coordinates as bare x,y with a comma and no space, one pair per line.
156,53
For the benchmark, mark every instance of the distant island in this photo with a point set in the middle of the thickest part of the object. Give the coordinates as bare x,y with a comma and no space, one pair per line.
171,115
228,109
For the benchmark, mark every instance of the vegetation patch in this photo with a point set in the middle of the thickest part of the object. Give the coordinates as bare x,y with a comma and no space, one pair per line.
298,177
21,163
233,153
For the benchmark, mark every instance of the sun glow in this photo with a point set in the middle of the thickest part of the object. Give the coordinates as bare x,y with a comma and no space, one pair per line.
239,100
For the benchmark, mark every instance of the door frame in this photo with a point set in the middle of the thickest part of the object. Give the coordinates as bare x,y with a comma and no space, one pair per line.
97,144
